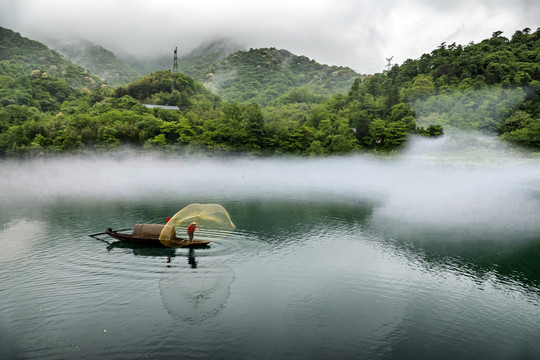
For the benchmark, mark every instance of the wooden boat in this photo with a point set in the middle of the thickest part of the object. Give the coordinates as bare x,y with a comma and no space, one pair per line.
148,235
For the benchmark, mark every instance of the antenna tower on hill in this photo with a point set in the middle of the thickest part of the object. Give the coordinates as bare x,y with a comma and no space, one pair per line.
175,61
389,63
174,67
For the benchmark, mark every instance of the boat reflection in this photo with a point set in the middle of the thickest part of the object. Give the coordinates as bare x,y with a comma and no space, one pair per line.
141,250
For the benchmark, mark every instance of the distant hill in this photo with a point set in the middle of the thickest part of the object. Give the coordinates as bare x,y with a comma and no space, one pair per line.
197,62
255,75
263,75
146,66
33,75
20,56
193,63
99,61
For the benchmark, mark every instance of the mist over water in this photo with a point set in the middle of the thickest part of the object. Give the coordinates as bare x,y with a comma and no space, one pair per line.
451,183
335,257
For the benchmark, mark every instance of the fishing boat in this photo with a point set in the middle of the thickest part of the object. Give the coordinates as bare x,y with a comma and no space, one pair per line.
213,218
148,235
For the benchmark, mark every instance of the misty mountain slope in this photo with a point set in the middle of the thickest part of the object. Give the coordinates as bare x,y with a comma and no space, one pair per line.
257,75
147,66
197,61
194,64
20,56
99,61
263,75
492,86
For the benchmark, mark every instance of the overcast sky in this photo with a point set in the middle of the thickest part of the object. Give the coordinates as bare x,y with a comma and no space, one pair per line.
360,34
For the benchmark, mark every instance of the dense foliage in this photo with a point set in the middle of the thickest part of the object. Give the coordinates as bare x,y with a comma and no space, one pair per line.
22,57
492,86
165,88
263,75
282,103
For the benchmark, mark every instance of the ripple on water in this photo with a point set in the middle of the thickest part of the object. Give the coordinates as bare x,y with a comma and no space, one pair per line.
19,238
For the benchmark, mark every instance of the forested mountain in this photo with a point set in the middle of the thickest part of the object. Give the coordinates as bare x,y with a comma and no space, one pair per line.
280,102
20,56
263,75
99,61
194,63
492,86
197,62
258,75
32,74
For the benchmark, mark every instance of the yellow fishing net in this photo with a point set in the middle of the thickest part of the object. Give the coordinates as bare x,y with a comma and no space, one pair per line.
213,222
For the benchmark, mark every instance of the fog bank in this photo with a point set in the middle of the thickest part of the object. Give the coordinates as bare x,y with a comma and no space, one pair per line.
436,183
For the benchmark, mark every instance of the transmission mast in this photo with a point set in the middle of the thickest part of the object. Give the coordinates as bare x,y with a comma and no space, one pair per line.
389,63
175,61
174,68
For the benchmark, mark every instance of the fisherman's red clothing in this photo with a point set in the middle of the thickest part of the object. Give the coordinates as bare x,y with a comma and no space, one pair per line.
191,228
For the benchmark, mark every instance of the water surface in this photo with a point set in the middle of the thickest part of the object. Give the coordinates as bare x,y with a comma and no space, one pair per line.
334,258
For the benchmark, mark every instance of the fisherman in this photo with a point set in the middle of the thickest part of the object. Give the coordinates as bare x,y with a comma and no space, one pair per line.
191,229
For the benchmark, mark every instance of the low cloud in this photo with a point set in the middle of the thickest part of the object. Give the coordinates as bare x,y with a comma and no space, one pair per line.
358,34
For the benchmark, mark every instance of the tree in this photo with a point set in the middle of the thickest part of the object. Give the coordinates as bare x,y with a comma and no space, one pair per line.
435,130
340,143
67,139
377,133
158,140
517,120
316,148
399,112
528,135
254,120
107,137
396,134
422,87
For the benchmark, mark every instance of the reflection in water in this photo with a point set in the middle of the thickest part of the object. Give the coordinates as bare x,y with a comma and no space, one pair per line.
140,250
191,258
195,294
509,261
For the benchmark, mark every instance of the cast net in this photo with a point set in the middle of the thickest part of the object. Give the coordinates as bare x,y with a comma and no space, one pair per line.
213,222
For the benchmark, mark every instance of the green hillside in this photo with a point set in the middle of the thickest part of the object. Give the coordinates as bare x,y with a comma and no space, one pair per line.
257,75
263,75
20,56
165,88
34,75
99,61
197,62
277,102
492,87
